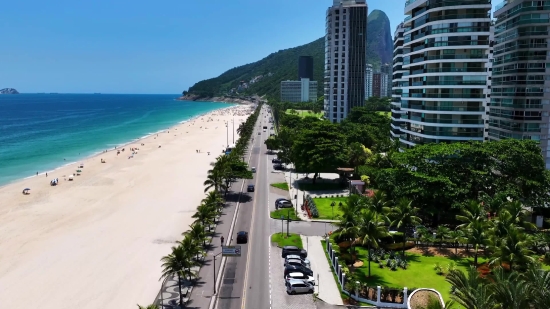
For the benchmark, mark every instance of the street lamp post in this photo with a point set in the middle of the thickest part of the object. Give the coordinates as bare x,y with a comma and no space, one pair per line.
233,129
227,129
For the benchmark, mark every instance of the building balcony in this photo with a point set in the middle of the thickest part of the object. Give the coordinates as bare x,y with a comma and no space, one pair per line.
471,122
447,70
420,108
444,95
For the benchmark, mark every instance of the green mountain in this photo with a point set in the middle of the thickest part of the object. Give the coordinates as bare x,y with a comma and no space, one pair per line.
279,66
379,39
264,77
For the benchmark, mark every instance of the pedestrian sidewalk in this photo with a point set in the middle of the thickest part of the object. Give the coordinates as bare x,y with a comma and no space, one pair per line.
327,289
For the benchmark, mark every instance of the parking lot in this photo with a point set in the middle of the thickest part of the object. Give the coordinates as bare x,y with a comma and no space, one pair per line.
279,298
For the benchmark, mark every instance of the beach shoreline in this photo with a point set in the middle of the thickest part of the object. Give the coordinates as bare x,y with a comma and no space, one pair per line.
121,145
96,241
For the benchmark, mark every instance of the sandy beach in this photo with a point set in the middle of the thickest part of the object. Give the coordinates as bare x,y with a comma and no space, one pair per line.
96,242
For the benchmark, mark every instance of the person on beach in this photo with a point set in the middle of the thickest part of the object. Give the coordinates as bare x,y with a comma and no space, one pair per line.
46,174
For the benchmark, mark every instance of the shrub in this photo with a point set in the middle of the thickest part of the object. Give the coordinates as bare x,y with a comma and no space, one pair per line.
403,264
451,266
312,207
393,265
388,262
438,269
381,264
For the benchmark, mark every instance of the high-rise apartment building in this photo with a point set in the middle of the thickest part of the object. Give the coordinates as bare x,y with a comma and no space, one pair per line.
446,46
345,57
368,81
397,82
305,67
520,98
387,68
380,84
294,91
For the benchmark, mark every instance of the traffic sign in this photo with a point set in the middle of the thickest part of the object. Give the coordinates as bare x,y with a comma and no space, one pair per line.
231,250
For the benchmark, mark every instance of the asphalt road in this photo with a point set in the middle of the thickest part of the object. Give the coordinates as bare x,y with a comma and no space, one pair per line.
246,285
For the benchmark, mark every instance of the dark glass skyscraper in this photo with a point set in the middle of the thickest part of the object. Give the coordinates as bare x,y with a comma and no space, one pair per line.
305,67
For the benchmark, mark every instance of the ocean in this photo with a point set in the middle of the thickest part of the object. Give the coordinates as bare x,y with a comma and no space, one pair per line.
41,132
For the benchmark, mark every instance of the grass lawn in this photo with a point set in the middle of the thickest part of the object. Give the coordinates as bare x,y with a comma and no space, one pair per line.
387,114
320,186
305,113
276,214
283,240
419,274
280,185
325,210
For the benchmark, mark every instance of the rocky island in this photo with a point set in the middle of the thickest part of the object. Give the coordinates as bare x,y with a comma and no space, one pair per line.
8,91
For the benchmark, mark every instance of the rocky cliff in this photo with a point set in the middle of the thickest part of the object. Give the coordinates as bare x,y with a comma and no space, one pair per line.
379,39
8,91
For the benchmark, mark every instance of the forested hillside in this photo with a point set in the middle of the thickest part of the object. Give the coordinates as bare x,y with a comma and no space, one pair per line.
283,65
264,77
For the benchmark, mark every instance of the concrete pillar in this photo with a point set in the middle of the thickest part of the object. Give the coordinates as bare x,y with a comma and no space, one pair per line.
328,243
357,283
378,294
405,296
336,262
340,273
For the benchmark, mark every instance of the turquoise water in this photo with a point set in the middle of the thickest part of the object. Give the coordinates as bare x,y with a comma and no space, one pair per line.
40,132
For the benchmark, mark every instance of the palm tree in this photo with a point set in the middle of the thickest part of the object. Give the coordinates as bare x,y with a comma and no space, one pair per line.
456,236
192,249
148,307
442,233
470,291
205,214
379,204
197,233
349,221
476,236
539,285
517,213
173,264
214,198
473,212
509,290
214,180
370,230
405,216
357,155
513,249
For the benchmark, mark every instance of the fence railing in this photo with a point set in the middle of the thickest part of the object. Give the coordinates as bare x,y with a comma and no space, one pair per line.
341,278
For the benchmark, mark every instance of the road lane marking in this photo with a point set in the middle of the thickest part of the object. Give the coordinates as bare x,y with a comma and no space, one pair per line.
245,286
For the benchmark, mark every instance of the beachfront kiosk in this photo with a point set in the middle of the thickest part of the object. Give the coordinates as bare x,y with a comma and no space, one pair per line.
229,149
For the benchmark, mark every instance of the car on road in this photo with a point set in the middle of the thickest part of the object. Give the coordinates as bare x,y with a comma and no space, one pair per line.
288,250
250,188
275,160
297,257
297,268
300,276
264,130
297,262
242,237
278,167
253,169
298,286
284,204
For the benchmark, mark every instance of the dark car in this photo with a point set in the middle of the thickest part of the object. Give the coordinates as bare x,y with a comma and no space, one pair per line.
297,269
293,250
278,167
275,160
296,262
250,188
242,237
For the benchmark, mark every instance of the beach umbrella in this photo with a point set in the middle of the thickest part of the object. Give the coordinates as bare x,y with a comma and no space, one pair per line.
26,189
79,171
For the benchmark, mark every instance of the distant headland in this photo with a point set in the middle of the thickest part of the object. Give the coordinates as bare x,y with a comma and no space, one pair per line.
8,91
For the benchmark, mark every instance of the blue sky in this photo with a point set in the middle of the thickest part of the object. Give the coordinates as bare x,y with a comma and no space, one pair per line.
149,46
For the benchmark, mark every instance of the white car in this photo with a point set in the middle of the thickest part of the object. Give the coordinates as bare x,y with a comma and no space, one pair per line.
298,286
300,276
297,257
264,130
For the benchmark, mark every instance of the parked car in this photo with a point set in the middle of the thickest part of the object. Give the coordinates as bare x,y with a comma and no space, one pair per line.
280,199
300,276
253,169
297,257
297,262
275,160
288,250
297,268
284,204
278,167
299,286
250,188
242,237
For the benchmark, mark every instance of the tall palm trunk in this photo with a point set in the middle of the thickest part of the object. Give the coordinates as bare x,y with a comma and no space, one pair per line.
181,295
475,257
